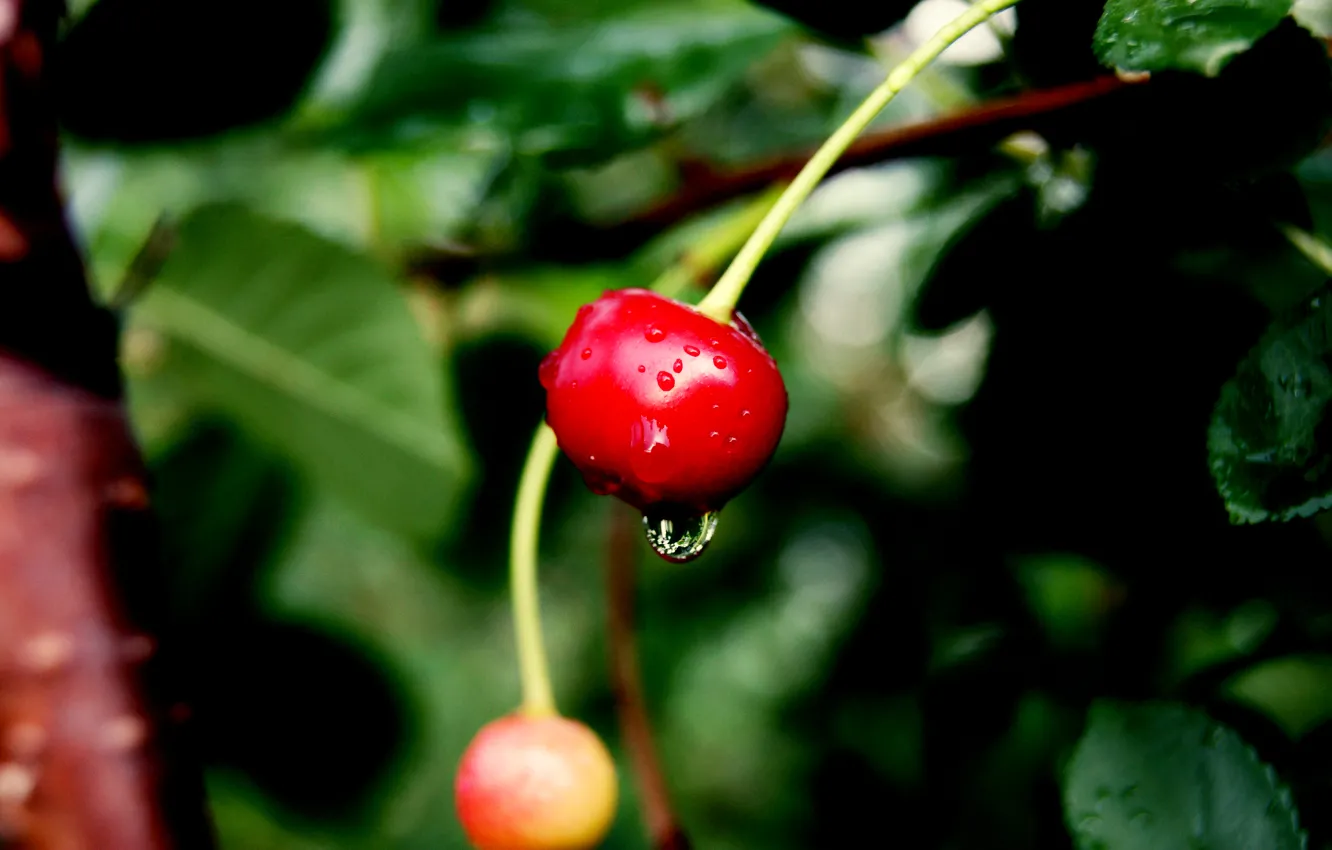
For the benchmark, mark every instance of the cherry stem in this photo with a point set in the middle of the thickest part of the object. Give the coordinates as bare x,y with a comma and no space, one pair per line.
696,266
533,669
720,303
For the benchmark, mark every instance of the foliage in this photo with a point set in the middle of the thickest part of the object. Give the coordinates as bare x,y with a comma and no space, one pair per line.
989,581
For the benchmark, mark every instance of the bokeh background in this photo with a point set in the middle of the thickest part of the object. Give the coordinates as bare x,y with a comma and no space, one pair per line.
991,503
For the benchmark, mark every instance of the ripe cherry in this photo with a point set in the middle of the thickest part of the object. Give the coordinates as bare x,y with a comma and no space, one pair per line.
536,783
661,406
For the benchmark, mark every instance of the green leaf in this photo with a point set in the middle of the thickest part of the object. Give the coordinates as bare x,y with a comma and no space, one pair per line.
1296,691
579,87
1185,35
1165,777
1268,445
313,350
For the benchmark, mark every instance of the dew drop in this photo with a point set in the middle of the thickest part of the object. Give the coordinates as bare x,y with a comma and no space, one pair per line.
665,380
587,352
714,342
719,362
744,413
678,367
653,334
642,368
549,368
676,535
692,350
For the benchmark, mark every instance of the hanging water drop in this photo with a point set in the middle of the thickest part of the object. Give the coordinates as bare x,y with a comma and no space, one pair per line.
677,535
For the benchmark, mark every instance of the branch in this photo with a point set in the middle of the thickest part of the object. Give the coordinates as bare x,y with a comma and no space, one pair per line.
986,123
664,831
92,755
706,186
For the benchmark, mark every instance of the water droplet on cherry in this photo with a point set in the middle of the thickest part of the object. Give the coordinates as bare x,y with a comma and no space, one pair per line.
692,350
654,334
642,368
665,380
676,535
719,362
587,352
678,366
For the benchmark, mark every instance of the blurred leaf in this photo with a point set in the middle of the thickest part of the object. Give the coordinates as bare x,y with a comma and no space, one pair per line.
224,508
1268,445
1201,639
1314,15
1151,776
1070,596
1189,35
538,302
450,646
1295,692
386,202
311,348
585,87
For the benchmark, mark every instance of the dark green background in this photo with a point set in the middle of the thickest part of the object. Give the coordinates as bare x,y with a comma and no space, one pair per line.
993,501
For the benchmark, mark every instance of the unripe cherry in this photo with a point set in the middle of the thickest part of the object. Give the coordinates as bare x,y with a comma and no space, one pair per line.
536,783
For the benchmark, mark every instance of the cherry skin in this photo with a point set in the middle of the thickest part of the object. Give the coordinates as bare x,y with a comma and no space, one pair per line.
659,405
536,783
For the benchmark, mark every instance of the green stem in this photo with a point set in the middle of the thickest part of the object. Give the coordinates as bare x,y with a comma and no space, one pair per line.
533,670
720,302
715,247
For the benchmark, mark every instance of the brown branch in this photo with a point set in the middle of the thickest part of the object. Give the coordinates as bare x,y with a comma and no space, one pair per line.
664,831
963,130
706,186
92,755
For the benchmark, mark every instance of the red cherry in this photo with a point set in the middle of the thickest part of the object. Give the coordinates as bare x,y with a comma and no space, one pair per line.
536,783
670,408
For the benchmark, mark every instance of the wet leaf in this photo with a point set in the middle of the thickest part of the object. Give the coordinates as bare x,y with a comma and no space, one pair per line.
1268,444
1184,35
1159,776
584,88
